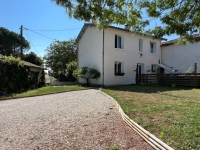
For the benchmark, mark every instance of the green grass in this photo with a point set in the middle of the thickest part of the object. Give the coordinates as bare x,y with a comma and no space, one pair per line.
47,90
170,113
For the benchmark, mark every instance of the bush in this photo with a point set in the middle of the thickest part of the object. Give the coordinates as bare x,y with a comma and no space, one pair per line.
71,67
87,74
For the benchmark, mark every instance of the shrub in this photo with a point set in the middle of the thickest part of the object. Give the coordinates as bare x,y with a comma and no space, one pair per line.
71,67
87,74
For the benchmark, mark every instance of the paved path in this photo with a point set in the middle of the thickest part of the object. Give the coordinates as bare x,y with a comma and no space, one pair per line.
80,120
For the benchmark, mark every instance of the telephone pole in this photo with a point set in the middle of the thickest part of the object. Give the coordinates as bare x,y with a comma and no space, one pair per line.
21,35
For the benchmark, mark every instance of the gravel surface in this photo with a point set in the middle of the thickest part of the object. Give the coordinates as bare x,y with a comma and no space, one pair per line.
80,120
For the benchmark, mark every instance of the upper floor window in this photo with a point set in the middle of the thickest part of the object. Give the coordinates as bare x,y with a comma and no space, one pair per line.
119,42
140,45
152,47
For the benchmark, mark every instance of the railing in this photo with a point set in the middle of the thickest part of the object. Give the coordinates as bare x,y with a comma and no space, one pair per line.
188,79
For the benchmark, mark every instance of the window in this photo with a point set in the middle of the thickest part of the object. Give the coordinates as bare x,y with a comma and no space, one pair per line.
153,68
152,47
119,68
119,42
140,45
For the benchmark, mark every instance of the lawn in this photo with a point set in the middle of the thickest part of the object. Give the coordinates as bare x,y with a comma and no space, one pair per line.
170,113
47,90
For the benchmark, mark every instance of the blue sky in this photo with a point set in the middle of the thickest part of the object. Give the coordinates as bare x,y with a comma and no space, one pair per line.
39,15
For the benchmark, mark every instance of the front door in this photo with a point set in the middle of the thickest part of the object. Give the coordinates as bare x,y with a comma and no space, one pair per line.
140,68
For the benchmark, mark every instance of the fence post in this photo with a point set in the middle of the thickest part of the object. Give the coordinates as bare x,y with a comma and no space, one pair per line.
136,75
195,75
146,78
158,75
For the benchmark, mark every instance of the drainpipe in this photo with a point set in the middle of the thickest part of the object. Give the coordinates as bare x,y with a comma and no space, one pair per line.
160,53
103,62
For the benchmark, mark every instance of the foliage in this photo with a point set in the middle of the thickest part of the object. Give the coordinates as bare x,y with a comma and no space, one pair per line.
59,54
16,77
102,12
33,58
71,67
167,112
87,74
10,43
179,17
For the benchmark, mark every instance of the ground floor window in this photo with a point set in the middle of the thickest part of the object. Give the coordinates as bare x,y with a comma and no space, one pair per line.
153,68
119,68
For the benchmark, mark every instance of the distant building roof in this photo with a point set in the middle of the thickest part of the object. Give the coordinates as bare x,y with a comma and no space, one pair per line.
32,65
172,42
118,28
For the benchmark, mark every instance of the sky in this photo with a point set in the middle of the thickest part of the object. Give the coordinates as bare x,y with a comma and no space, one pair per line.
38,15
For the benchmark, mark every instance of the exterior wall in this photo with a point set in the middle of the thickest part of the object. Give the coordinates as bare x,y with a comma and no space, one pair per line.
35,69
90,48
181,57
130,56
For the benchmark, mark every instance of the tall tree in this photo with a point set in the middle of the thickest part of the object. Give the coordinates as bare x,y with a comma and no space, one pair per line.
59,54
102,12
33,58
181,17
10,43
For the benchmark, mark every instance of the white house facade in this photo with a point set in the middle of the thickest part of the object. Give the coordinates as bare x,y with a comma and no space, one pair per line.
115,53
180,57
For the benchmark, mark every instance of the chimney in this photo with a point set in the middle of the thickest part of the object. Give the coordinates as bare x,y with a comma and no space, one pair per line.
126,27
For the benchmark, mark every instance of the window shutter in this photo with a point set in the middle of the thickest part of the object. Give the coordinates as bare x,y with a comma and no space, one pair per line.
115,41
154,47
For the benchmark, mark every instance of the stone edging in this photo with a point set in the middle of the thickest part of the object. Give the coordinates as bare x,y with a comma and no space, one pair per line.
147,136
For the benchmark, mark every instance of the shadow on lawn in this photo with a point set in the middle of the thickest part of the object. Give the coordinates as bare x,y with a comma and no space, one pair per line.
146,88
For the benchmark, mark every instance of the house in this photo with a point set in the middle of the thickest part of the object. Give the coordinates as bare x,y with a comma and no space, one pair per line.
33,67
116,53
180,57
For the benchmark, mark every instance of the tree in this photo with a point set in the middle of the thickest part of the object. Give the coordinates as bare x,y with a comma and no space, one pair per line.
59,54
33,58
71,67
181,17
87,74
10,43
102,12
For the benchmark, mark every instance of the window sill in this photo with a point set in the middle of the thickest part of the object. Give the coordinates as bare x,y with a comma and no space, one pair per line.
120,75
122,49
153,53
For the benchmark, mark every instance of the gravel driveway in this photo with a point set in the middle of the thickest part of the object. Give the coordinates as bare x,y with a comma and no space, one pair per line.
80,120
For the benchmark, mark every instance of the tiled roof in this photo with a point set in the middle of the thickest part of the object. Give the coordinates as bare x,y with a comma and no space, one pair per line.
31,65
118,28
172,42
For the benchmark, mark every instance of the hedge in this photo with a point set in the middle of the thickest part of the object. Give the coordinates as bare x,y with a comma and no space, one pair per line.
16,77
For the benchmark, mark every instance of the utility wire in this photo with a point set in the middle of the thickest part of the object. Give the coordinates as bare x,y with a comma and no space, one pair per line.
32,43
39,34
58,30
